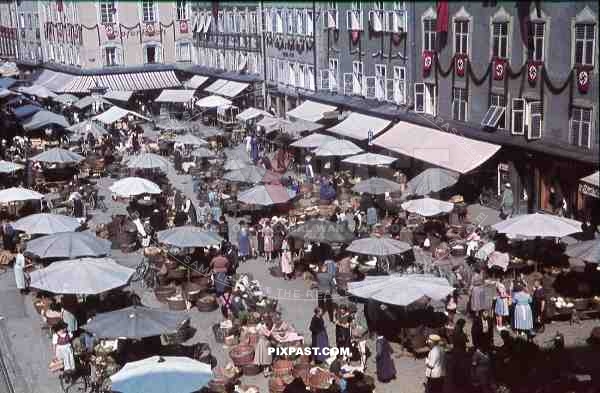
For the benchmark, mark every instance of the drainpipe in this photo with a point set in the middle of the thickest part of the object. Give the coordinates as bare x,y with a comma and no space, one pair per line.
263,50
413,50
315,42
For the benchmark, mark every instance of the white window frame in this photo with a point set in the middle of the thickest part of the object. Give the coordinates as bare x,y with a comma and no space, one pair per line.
539,40
460,97
105,8
357,78
497,39
584,42
291,20
380,81
496,111
331,16
580,123
117,56
149,11
397,19
273,68
301,22
378,14
309,77
309,31
334,74
429,97
182,10
157,54
463,39
535,114
356,11
399,85
179,55
429,36
278,22
518,108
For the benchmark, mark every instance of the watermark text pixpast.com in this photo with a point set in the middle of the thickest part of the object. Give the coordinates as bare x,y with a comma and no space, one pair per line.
309,351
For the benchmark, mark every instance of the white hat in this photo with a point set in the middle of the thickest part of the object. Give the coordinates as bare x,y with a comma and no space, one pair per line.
507,185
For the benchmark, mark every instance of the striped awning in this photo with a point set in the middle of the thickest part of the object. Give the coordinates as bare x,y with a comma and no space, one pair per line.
134,81
54,81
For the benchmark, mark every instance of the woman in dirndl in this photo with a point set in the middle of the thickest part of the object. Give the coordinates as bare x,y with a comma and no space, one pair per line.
262,357
61,339
501,308
287,266
523,317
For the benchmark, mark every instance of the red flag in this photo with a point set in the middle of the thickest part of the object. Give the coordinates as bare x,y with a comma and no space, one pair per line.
461,64
583,79
427,62
59,5
499,69
442,16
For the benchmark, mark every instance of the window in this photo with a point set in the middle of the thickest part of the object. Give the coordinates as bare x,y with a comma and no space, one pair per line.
252,23
518,116
354,17
22,21
291,17
399,85
301,22
425,99
581,127
495,115
309,78
152,54
380,78
148,14
182,10
377,17
309,23
500,40
330,19
585,35
291,73
29,24
111,56
299,75
107,11
183,51
538,29
397,18
534,119
278,22
357,77
461,37
273,69
459,104
429,35
334,71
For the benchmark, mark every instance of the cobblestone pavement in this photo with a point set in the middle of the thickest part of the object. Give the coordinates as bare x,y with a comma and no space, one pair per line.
27,350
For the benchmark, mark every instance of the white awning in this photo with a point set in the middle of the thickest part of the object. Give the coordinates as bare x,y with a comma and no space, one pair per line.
252,113
436,147
118,95
134,81
175,96
91,100
226,88
53,80
114,114
370,159
215,86
195,82
232,89
310,111
313,140
593,179
213,102
358,126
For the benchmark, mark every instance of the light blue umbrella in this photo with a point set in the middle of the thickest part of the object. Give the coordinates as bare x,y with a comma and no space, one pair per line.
148,161
156,374
57,155
188,237
68,245
431,180
588,251
9,167
376,186
46,224
401,290
378,246
14,194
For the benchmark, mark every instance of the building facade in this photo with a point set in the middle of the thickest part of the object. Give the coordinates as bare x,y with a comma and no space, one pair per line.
8,29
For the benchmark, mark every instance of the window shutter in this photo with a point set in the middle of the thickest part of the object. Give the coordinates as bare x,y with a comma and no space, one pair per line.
518,116
419,97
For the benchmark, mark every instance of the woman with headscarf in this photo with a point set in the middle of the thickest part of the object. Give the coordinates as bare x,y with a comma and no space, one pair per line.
61,340
523,317
319,335
386,371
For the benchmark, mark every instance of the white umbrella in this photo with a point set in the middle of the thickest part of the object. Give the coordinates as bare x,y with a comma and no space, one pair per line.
190,139
188,237
370,159
57,155
87,126
401,290
148,161
427,207
156,374
46,224
431,180
536,224
173,125
266,195
68,245
376,186
14,194
9,167
313,140
252,174
66,99
588,251
378,246
132,186
85,276
339,147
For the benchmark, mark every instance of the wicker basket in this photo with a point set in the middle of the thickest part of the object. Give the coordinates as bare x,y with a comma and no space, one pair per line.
242,355
250,370
220,333
176,304
207,303
282,368
164,292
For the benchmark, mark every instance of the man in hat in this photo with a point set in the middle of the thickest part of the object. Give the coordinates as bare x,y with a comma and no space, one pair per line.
506,205
435,363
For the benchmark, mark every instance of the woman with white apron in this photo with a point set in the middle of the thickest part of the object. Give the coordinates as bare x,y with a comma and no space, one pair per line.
61,339
19,270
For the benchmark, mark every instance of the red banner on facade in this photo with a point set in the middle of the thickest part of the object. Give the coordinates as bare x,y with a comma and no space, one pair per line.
532,73
583,79
427,62
461,64
499,69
